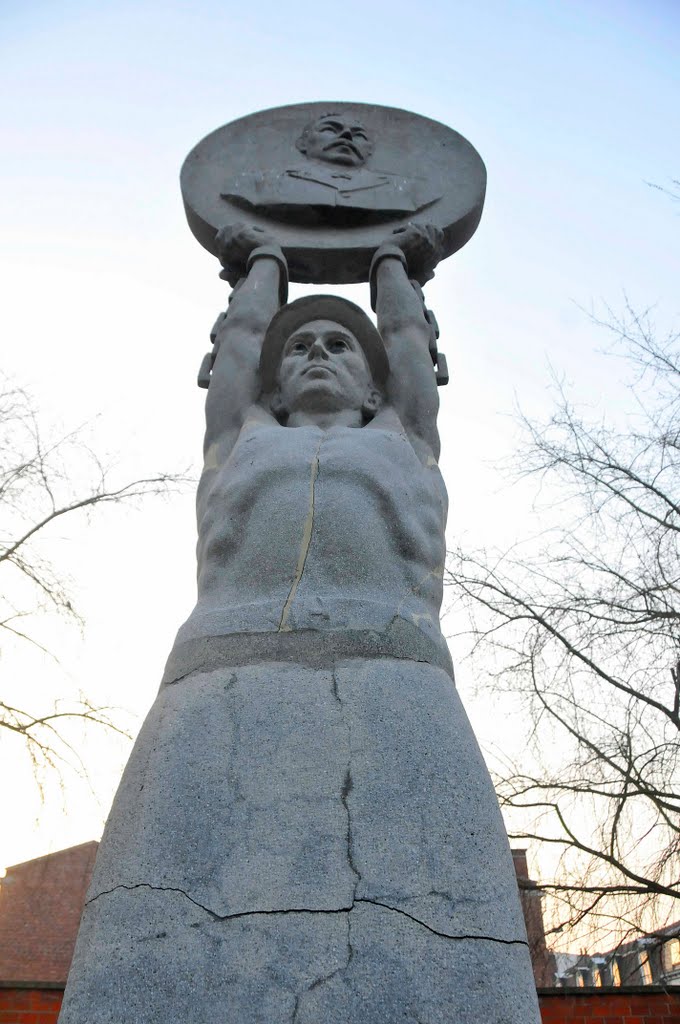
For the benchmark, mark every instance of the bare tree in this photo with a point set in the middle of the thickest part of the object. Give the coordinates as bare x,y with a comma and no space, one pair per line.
42,483
582,625
672,190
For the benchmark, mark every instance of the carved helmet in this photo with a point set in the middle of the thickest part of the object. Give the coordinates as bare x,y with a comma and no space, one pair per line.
302,311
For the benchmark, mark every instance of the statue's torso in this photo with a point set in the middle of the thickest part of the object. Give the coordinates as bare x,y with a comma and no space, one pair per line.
308,529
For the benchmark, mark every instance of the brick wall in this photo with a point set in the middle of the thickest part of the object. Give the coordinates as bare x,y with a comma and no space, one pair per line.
40,906
22,1005
595,1006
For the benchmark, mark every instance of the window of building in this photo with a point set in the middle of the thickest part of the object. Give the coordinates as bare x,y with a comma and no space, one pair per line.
646,969
616,973
671,955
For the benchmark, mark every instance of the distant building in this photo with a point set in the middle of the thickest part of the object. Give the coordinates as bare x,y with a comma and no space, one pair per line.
531,898
40,906
647,960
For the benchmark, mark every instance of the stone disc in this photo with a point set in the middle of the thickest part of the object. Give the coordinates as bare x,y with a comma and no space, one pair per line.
330,217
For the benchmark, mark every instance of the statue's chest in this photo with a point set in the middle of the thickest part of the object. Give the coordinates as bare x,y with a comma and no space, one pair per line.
343,458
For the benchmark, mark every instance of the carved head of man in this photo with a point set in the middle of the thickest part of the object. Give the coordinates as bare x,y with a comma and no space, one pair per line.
336,139
323,355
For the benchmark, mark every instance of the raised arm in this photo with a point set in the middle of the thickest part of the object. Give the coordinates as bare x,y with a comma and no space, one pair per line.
412,388
234,381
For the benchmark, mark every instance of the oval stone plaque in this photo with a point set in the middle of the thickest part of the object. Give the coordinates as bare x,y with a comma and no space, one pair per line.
331,180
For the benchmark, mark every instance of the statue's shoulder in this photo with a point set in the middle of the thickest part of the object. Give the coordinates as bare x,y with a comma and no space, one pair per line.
388,422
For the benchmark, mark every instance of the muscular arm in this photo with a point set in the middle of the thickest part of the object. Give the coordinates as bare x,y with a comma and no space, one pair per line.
234,383
412,388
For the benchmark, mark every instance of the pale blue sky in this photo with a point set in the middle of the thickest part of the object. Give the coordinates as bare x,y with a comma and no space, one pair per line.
108,298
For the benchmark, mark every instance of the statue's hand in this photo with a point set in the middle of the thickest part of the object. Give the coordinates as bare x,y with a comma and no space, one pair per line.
235,242
422,245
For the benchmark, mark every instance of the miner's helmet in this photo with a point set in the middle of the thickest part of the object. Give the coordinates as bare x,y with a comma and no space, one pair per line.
302,311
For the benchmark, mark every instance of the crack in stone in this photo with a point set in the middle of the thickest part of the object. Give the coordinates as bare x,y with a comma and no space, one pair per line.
307,910
211,913
296,1008
328,977
347,786
435,931
306,542
346,790
334,687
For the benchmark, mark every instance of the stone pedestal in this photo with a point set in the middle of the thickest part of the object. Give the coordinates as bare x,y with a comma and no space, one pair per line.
304,844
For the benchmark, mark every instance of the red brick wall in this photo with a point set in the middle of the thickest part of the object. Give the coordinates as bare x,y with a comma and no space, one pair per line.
595,1007
29,1005
40,906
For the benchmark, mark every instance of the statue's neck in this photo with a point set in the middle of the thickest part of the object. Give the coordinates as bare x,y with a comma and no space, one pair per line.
326,420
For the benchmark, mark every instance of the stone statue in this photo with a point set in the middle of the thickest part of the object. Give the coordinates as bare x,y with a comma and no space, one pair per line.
331,181
361,483
306,831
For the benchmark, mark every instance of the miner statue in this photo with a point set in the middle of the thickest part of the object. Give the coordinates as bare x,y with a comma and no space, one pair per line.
306,832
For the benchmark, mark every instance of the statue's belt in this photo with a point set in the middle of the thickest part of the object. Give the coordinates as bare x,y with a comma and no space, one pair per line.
307,647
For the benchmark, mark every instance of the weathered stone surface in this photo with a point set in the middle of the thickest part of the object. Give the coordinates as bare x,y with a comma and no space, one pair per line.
330,210
312,648
306,529
349,967
242,771
297,844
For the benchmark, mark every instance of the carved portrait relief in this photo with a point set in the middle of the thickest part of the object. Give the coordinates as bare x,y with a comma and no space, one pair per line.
334,180
331,180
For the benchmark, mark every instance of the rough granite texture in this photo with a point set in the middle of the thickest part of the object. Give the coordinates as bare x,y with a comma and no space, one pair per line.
307,845
338,531
419,170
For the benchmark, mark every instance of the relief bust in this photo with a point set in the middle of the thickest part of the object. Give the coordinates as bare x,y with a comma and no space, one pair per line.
330,180
334,177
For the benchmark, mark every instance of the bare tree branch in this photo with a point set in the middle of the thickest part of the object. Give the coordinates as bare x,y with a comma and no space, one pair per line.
582,625
42,483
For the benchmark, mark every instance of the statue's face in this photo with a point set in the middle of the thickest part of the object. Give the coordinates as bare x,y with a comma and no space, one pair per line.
337,139
323,369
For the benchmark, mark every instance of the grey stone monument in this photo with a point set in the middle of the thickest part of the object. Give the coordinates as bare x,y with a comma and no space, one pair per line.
306,831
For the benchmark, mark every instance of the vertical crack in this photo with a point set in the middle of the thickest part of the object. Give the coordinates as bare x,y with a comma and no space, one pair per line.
296,1009
328,977
347,786
334,687
345,791
306,542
